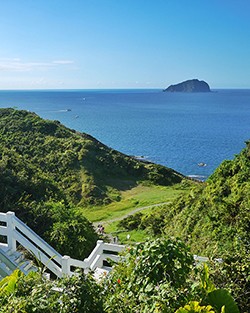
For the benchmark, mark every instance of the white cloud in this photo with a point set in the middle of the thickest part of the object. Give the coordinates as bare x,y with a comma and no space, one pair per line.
63,62
16,65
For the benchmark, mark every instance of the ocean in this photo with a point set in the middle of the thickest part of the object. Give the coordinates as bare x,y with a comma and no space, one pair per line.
179,130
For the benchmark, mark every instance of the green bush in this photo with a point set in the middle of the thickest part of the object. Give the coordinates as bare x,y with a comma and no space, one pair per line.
151,275
234,275
131,222
33,293
66,229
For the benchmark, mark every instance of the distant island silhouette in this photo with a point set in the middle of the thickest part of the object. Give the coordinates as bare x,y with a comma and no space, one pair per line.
192,85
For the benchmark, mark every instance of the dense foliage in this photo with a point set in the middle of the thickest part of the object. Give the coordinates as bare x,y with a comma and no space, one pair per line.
214,218
156,276
161,276
152,275
65,229
34,293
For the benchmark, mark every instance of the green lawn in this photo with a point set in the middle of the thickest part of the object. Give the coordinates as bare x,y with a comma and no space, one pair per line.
136,197
125,236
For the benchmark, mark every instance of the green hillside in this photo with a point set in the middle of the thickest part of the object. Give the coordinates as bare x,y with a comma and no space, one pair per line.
43,159
46,168
49,174
214,217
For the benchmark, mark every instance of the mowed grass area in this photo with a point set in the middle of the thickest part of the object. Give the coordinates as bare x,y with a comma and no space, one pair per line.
137,197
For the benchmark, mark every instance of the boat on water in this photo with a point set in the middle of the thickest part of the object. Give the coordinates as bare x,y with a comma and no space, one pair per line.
201,164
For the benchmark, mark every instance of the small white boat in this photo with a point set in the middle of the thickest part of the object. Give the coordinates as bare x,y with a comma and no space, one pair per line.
201,164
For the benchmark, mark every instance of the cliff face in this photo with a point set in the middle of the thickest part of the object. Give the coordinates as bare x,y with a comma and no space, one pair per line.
192,85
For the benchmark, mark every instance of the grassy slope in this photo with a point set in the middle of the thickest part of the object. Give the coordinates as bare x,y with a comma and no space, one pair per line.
139,196
49,173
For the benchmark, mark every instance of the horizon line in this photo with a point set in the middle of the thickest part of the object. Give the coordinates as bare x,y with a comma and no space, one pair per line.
93,89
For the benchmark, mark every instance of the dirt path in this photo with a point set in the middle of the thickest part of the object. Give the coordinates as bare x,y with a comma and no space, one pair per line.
130,213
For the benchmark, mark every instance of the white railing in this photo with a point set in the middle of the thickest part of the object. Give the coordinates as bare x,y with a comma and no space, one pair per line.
102,252
17,232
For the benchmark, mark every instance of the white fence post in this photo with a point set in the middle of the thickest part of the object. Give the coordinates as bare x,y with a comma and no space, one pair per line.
65,265
10,230
100,243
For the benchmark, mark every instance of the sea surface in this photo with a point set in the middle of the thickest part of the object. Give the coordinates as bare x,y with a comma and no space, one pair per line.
178,130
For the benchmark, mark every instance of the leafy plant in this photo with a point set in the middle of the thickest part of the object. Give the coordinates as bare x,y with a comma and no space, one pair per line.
222,301
233,274
151,276
195,307
34,293
8,285
213,219
211,299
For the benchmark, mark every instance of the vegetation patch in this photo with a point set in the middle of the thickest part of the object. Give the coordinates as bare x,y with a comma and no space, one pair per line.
49,173
157,276
140,196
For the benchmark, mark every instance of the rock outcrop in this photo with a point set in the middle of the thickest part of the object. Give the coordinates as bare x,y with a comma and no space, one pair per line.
192,85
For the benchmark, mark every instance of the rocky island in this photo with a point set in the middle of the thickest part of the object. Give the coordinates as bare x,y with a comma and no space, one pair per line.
192,85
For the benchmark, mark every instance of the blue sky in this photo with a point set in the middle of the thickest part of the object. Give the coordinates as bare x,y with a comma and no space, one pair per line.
85,44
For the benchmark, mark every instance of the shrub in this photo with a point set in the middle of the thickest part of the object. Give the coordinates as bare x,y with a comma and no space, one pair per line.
150,275
33,293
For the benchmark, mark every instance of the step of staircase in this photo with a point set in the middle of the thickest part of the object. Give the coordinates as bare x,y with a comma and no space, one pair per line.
10,261
4,270
15,256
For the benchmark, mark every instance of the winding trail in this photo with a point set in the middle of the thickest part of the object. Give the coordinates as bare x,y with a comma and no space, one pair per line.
130,213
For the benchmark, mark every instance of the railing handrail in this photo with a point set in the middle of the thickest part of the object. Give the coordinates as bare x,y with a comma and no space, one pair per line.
95,251
16,230
39,254
33,237
3,217
113,247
